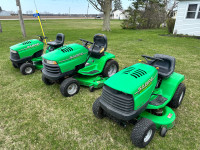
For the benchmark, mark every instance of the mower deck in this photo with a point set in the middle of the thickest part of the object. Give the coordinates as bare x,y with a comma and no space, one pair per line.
166,120
91,81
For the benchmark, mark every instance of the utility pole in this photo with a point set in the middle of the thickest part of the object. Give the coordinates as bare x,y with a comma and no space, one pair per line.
0,27
69,11
87,10
21,18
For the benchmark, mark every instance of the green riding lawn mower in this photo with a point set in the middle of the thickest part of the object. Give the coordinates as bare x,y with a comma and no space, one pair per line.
27,55
74,65
143,94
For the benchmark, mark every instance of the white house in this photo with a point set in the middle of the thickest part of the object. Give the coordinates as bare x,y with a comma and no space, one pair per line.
119,14
188,18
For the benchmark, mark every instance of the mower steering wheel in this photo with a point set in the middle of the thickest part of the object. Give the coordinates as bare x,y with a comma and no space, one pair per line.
85,42
153,59
42,37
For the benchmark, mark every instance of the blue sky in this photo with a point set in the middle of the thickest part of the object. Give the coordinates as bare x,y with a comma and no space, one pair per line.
54,6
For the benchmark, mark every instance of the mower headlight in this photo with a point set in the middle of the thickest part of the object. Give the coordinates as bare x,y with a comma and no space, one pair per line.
12,51
50,62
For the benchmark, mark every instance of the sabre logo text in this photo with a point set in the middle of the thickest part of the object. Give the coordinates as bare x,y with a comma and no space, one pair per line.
145,85
33,45
77,55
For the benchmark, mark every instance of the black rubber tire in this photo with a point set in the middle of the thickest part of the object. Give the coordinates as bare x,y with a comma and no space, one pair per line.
91,88
163,131
175,102
14,65
47,81
65,84
140,130
23,68
97,110
107,67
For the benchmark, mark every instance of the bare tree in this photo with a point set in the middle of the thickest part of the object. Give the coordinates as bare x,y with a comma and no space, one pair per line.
117,5
170,9
104,6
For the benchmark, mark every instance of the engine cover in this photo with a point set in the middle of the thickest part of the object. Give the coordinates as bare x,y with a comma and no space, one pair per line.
27,48
138,80
68,57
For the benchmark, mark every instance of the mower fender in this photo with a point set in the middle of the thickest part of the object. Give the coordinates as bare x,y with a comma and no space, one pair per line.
96,65
167,89
166,120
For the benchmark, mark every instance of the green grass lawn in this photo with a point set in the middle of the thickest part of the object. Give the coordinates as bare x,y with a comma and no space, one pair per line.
36,116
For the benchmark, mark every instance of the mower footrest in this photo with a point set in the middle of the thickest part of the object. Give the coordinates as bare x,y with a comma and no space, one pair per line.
158,101
91,72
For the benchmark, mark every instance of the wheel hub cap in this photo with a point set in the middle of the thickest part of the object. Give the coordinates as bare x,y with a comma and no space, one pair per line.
72,88
28,70
181,97
148,136
112,70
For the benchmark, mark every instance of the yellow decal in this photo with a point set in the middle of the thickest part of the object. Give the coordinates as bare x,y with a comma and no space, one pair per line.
102,50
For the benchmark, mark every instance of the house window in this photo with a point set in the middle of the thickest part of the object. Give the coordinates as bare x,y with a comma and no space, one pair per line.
198,17
191,11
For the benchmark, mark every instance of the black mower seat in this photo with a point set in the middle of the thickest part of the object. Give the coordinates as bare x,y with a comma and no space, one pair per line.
166,67
60,38
99,46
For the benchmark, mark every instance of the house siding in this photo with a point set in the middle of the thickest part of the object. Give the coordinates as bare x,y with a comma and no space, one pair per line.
118,14
186,26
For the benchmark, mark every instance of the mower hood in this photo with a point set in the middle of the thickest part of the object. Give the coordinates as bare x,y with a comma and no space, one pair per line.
132,79
27,45
66,53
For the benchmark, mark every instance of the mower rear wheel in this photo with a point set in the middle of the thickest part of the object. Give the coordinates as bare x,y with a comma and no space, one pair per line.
47,81
178,96
110,68
27,68
97,110
143,132
69,87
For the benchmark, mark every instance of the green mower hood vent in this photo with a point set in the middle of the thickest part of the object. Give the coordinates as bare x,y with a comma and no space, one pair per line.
66,49
26,42
135,73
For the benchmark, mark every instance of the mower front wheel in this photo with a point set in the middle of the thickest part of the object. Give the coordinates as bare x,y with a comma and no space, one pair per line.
163,131
14,65
110,68
97,110
27,68
143,132
69,87
47,81
91,88
178,96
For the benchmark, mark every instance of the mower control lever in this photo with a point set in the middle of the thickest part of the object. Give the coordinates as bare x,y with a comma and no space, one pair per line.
154,59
